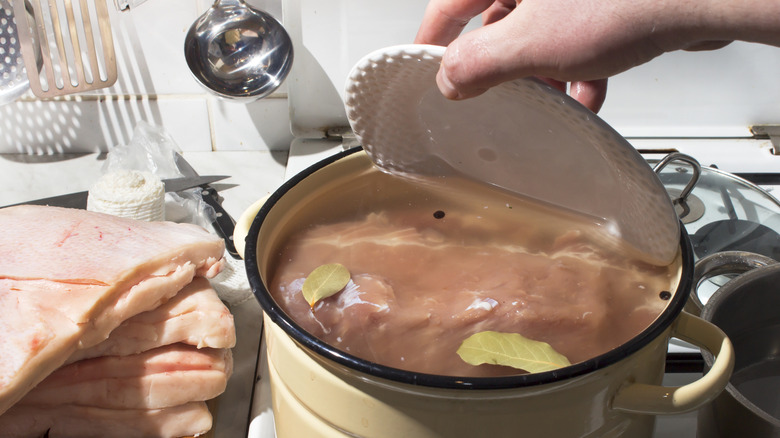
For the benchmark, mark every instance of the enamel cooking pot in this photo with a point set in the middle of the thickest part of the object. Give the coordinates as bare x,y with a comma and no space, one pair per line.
318,390
745,308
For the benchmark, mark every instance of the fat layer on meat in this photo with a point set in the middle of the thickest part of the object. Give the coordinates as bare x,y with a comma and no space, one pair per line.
159,378
69,277
70,421
194,316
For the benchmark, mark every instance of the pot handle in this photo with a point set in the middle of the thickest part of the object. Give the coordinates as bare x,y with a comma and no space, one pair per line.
243,224
726,262
677,156
656,399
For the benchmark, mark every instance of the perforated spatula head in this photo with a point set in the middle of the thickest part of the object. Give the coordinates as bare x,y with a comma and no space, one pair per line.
75,47
523,136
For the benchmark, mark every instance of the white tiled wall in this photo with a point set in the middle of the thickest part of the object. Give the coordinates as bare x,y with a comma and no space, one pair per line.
154,85
668,97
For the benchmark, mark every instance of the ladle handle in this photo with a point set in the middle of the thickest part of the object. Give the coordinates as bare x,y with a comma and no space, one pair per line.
656,399
228,3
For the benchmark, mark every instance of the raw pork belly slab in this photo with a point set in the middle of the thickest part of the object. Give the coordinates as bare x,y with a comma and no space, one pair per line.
69,277
68,421
160,378
195,316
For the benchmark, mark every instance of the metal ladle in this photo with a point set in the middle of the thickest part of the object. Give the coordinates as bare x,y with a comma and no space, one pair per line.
238,52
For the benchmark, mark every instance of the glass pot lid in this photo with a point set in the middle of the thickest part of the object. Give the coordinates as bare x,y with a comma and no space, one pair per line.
722,212
522,136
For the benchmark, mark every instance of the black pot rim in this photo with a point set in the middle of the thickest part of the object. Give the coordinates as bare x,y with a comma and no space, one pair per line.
277,316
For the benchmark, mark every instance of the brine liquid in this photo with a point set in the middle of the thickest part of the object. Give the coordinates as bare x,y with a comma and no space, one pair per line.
433,263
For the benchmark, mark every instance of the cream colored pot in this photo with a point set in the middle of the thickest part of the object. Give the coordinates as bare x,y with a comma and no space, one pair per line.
320,391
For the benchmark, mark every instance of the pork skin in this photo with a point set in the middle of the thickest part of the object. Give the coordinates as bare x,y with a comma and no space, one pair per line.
194,316
69,421
160,378
69,277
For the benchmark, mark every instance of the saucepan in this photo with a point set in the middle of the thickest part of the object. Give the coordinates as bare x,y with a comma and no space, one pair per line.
520,140
318,390
746,309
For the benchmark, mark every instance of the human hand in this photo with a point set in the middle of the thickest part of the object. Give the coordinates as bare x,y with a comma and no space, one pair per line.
578,41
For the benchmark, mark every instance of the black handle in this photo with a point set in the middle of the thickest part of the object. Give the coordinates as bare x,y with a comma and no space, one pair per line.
223,224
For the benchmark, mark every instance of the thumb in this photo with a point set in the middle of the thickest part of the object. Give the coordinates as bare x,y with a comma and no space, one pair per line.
481,59
590,93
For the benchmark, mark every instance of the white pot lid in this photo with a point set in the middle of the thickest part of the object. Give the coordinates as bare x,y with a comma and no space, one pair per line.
523,136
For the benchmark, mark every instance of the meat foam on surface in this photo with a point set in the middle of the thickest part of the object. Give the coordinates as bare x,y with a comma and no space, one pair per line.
69,277
420,286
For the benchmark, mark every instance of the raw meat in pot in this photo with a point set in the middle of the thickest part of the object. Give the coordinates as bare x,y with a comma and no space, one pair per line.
419,288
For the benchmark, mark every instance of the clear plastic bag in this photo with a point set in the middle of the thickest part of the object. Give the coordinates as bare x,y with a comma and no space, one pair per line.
126,5
153,150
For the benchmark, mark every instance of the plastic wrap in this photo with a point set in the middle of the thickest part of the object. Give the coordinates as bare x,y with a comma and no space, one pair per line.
153,150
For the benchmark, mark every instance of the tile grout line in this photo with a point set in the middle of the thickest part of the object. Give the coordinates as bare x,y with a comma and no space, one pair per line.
212,125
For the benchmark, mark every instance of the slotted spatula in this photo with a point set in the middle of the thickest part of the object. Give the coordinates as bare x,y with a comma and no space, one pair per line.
76,46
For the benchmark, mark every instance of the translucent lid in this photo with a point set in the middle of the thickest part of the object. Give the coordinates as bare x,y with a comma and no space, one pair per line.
522,136
723,212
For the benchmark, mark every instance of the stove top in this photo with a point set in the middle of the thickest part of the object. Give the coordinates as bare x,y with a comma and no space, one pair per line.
719,197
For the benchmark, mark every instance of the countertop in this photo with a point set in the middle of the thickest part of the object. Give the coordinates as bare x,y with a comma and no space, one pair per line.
253,175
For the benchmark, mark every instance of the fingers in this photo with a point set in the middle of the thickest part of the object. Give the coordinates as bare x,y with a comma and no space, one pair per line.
442,24
706,45
452,91
498,10
482,59
510,45
559,85
590,93
445,19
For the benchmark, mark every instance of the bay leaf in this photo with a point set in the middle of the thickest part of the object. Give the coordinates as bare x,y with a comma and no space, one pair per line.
325,281
511,349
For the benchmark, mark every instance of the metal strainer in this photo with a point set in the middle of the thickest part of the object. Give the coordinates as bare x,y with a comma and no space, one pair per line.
523,136
13,76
